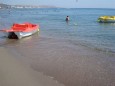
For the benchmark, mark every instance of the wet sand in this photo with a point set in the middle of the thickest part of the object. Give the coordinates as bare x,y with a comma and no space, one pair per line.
67,62
15,73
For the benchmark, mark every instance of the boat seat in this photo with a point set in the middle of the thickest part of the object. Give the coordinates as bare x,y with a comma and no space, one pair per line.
19,26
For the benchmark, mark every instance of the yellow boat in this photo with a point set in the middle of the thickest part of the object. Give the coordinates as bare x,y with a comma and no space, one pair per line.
106,19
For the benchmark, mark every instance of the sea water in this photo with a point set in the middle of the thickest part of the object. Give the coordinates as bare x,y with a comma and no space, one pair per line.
82,28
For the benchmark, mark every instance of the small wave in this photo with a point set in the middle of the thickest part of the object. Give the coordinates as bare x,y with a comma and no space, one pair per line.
91,46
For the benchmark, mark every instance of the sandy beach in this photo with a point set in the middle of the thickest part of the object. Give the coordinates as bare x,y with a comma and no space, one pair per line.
14,73
67,63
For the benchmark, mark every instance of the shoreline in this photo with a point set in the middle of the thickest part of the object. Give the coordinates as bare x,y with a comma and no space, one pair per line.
15,73
71,65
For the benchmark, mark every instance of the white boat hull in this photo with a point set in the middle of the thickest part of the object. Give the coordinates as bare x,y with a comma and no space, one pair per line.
21,34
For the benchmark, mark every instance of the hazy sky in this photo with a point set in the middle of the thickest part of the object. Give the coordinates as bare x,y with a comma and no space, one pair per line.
66,3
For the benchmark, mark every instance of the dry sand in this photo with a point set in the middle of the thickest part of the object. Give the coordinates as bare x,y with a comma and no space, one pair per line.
15,73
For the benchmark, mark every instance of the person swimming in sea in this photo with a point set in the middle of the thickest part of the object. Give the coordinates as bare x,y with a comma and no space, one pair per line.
67,18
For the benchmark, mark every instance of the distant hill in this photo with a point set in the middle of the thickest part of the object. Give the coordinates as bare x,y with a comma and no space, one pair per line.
4,5
25,6
47,6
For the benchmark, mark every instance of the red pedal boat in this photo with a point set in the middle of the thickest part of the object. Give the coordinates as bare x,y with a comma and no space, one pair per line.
21,30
